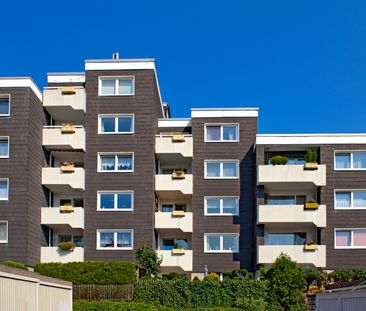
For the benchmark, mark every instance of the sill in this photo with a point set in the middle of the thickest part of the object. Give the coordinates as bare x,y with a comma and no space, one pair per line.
115,171
4,199
221,141
222,215
221,252
3,242
350,169
221,177
350,208
5,115
114,95
114,210
4,157
114,248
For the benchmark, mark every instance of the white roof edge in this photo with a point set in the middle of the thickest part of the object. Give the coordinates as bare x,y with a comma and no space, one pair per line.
121,60
234,109
174,123
311,139
21,82
175,119
66,77
65,73
224,112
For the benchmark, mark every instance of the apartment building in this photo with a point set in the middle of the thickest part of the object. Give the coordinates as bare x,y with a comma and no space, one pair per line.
97,160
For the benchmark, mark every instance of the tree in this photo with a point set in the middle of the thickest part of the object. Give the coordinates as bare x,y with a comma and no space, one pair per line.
148,261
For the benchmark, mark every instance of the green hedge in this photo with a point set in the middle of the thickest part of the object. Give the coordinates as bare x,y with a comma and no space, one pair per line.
15,264
102,273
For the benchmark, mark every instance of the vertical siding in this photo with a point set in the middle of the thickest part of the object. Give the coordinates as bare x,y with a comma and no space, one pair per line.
54,298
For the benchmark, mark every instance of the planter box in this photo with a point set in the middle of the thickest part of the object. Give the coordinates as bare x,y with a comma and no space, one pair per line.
178,175
67,129
177,251
67,168
311,205
311,166
66,209
310,247
178,138
68,90
178,213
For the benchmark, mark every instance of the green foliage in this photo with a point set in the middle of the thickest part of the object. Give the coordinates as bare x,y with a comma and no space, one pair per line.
359,274
148,261
116,306
15,264
101,273
311,275
66,246
287,283
278,160
343,275
251,304
311,156
212,276
173,276
241,274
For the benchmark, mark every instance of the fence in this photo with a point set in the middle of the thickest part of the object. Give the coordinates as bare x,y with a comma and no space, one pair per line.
103,292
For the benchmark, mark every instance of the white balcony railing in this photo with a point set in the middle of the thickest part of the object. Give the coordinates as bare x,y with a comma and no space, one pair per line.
51,216
54,179
172,144
168,221
173,262
166,183
54,254
55,137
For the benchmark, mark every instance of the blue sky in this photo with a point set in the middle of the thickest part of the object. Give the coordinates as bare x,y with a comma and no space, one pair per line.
301,62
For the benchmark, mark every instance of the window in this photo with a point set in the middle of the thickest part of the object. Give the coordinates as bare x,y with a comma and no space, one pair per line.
221,243
116,86
4,189
286,200
221,133
169,244
350,199
355,160
355,238
115,163
115,239
4,147
168,208
3,232
221,206
221,169
112,201
116,124
4,105
78,240
297,238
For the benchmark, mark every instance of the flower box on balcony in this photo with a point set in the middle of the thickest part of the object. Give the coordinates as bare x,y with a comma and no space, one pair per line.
67,129
178,138
67,208
310,166
311,205
177,251
179,174
68,90
311,247
178,213
67,168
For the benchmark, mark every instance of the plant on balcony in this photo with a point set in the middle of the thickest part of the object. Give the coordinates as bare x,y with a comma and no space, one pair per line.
310,246
178,174
67,167
311,204
178,249
311,158
278,160
67,128
148,261
66,246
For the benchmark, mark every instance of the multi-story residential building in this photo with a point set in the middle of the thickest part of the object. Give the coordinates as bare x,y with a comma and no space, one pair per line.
96,159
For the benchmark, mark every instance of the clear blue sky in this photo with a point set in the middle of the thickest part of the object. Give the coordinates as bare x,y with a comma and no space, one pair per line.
302,62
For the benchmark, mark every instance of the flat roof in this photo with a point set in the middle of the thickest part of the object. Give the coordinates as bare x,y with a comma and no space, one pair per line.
224,112
311,139
21,82
66,77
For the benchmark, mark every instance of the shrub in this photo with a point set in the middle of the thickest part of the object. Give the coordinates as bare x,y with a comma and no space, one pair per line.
15,264
251,304
173,276
66,246
359,274
241,274
101,273
311,275
148,261
342,275
116,306
311,156
278,160
212,276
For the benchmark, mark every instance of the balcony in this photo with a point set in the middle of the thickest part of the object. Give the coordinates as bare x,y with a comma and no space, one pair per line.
54,254
63,182
53,216
62,138
167,184
168,221
288,174
268,214
267,254
176,263
65,103
182,144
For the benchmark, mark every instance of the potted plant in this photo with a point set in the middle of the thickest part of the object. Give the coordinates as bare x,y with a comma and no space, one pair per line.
311,158
177,249
310,246
278,160
178,174
67,128
68,90
67,167
66,208
178,138
311,204
66,246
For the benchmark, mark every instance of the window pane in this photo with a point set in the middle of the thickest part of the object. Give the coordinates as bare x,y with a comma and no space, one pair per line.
124,162
125,124
106,200
181,207
167,208
343,199
359,160
106,239
3,231
125,86
124,239
230,169
213,133
343,161
213,169
213,206
4,148
281,200
168,245
108,87
230,243
107,124
230,205
359,199
78,240
230,132
213,242
4,106
124,200
182,243
280,239
3,189
64,238
359,238
343,238
300,238
107,163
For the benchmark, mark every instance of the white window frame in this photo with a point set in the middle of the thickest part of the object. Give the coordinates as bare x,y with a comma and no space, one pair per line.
8,97
7,189
116,116
222,205
222,132
115,231
115,154
115,192
221,169
352,206
116,79
6,232
351,160
221,243
352,231
8,139
173,203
